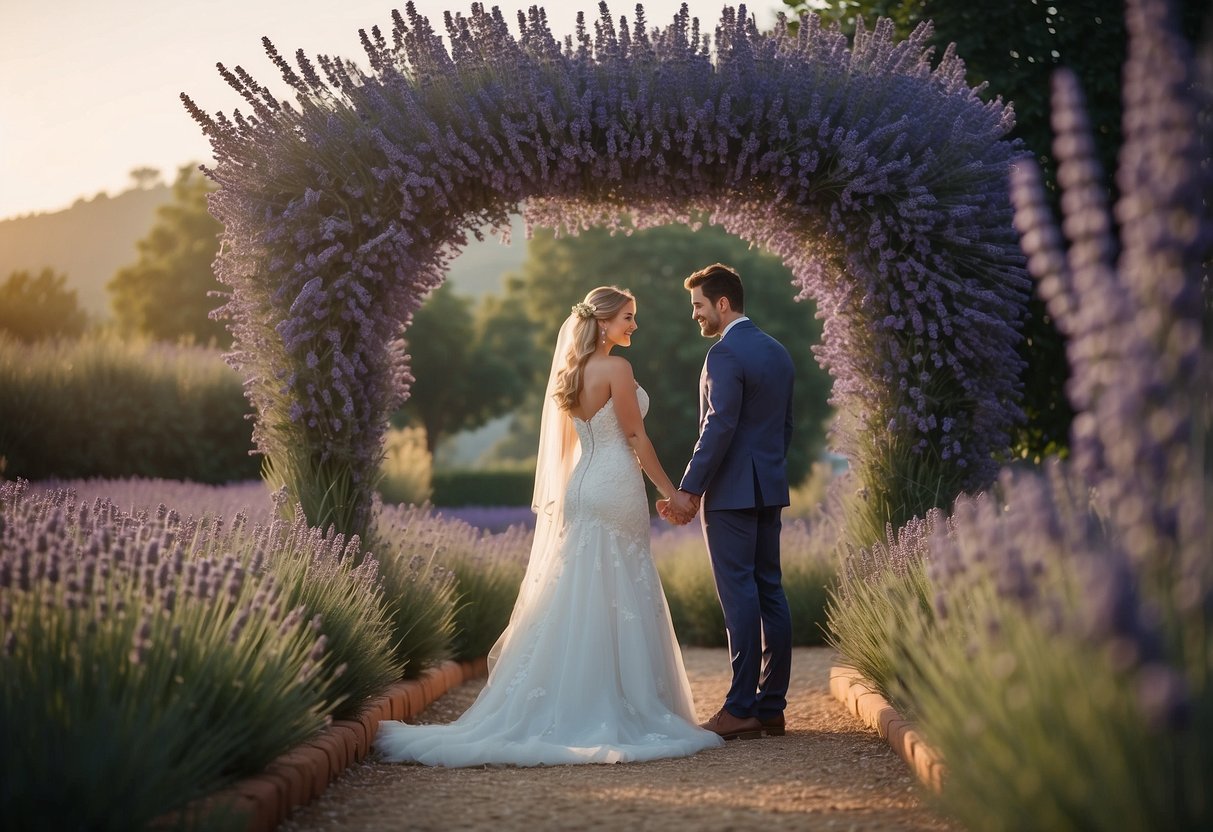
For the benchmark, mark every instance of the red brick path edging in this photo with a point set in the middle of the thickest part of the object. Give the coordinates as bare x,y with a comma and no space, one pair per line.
853,690
301,774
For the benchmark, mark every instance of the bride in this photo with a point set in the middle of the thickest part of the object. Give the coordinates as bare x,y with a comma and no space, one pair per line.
588,670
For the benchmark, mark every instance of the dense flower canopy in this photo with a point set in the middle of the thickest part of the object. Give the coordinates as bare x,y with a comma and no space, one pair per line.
879,178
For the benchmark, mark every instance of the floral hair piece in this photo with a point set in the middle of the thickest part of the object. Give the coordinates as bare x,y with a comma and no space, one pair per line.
584,310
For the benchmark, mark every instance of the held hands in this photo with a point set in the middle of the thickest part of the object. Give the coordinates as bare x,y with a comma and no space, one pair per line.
680,508
666,513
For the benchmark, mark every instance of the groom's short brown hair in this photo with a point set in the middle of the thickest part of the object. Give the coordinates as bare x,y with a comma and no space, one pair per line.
718,281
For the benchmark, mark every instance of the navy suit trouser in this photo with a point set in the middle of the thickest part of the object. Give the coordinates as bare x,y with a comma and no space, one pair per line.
743,545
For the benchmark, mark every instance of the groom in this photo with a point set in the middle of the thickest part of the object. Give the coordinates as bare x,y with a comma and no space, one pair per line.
739,473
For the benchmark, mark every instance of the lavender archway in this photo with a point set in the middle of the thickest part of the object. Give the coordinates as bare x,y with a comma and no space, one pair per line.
881,180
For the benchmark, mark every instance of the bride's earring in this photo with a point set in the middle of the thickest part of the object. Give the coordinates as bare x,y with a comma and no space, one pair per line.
602,336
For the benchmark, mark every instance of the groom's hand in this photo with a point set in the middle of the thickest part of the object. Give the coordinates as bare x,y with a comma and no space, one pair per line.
683,507
667,513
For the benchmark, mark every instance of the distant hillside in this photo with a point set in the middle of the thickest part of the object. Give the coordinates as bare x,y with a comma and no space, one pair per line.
94,238
88,242
479,268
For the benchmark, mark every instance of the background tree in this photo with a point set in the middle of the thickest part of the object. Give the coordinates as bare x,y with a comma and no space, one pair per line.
470,365
508,348
1014,48
145,177
667,351
166,293
33,308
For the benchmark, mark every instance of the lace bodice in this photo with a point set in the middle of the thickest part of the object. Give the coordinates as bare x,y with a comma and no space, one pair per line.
604,425
607,486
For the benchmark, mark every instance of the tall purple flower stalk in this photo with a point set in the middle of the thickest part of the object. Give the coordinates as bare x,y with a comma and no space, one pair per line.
878,178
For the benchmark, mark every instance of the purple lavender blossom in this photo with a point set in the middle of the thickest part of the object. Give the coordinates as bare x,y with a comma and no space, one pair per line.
147,495
491,518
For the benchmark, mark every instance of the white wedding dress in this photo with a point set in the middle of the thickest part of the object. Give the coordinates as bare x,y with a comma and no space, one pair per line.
588,670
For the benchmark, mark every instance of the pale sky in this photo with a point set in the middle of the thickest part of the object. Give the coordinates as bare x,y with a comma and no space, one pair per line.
89,89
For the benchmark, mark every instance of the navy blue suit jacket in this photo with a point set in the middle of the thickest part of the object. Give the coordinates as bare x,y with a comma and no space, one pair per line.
745,422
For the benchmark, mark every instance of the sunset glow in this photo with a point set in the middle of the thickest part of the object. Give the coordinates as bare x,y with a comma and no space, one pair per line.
92,88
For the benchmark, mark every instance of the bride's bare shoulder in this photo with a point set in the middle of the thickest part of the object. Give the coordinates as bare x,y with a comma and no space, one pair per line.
611,365
619,367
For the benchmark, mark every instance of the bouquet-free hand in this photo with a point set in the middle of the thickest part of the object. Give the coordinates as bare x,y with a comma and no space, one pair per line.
680,508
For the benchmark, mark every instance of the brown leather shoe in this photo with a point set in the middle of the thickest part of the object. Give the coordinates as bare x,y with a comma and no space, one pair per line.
733,727
773,726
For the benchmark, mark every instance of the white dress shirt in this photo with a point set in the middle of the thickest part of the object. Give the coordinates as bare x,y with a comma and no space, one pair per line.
732,324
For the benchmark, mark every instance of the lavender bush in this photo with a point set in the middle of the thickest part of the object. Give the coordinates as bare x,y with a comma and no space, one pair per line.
483,572
1048,676
420,592
339,586
126,650
323,572
490,518
882,593
878,178
1063,664
100,407
690,591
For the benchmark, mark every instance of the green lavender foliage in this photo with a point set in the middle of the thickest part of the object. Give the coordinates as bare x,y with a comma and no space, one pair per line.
331,578
419,591
882,591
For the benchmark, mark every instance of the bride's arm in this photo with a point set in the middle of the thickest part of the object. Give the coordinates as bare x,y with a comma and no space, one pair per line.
627,411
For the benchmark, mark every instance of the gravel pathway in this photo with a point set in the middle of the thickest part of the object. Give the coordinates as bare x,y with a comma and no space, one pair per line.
829,772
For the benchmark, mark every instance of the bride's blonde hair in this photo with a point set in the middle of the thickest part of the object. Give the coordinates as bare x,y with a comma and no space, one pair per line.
600,304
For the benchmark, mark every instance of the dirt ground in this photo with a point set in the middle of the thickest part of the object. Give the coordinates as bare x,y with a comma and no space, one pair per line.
828,772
